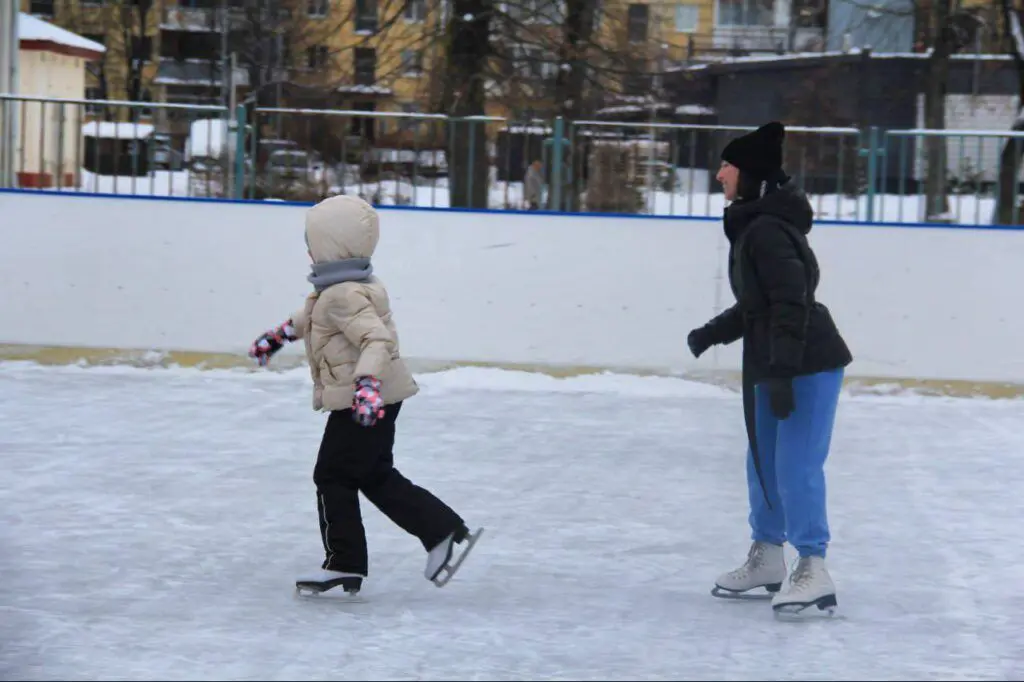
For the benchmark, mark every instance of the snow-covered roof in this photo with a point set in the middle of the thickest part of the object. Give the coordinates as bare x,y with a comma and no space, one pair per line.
31,28
120,131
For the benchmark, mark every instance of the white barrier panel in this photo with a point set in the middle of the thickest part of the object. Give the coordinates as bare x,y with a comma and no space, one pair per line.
621,293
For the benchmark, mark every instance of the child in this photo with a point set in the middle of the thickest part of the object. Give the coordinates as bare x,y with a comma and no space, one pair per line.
359,377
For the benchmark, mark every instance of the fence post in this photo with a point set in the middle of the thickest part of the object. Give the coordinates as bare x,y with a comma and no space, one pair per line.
471,167
872,172
239,189
556,165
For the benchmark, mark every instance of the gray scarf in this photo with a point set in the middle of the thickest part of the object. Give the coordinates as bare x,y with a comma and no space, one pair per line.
333,272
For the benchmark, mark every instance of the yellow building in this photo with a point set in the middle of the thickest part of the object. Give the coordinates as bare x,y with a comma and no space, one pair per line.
367,55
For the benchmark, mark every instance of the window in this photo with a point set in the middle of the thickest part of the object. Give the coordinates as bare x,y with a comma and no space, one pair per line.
637,23
415,10
366,16
185,45
316,56
410,123
533,64
42,7
365,65
686,18
362,126
746,13
412,62
318,8
92,94
537,11
142,48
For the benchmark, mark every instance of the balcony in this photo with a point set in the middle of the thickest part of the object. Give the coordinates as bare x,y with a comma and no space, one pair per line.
196,72
192,19
766,39
212,19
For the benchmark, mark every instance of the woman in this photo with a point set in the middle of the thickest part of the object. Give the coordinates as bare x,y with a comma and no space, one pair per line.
793,365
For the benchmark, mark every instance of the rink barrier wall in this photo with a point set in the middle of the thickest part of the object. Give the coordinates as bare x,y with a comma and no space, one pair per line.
157,281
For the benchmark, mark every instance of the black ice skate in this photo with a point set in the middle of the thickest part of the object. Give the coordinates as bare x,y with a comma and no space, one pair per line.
326,580
440,568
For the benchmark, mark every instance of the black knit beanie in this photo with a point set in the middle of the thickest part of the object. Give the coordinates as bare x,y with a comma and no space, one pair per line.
758,154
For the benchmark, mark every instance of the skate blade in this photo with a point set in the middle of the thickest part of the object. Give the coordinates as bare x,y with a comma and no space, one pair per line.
749,595
825,607
447,571
335,592
336,595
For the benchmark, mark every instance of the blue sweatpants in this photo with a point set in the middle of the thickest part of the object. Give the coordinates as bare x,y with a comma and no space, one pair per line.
793,453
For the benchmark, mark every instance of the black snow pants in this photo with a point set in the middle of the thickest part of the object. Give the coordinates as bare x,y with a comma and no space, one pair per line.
356,459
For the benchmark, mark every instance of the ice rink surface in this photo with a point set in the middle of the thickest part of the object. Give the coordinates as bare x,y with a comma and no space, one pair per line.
153,522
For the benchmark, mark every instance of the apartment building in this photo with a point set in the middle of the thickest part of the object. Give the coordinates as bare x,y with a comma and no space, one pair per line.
683,30
379,54
367,54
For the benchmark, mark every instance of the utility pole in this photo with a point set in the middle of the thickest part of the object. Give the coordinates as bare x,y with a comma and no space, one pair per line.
5,88
226,97
9,76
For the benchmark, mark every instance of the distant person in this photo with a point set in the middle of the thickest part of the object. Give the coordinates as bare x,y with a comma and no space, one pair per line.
533,186
793,364
360,378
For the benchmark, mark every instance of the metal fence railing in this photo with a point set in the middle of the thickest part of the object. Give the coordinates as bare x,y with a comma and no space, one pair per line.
979,182
108,146
431,160
384,157
669,169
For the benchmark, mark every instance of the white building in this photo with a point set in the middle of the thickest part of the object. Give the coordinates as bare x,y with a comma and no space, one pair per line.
47,141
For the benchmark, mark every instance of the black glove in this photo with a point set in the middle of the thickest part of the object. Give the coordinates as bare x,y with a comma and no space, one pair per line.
780,396
698,342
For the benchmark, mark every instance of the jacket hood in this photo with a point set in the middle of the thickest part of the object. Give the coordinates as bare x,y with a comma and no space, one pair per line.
341,227
788,202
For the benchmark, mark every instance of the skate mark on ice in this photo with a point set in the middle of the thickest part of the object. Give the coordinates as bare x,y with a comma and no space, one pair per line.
928,483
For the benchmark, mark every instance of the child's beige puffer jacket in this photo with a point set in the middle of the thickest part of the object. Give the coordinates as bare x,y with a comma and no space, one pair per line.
348,328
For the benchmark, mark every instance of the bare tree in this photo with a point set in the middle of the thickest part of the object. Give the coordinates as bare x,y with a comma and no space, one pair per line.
126,26
942,28
469,49
942,46
132,19
537,58
279,44
534,57
1013,149
291,56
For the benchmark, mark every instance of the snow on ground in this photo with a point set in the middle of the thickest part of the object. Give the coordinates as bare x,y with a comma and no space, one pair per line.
153,522
966,209
157,184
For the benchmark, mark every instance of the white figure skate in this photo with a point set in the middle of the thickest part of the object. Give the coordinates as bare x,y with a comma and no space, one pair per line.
765,567
809,585
439,559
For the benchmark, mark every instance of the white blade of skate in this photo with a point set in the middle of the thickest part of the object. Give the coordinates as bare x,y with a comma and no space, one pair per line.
448,572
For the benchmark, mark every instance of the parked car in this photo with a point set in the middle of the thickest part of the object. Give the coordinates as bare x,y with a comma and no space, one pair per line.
296,166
